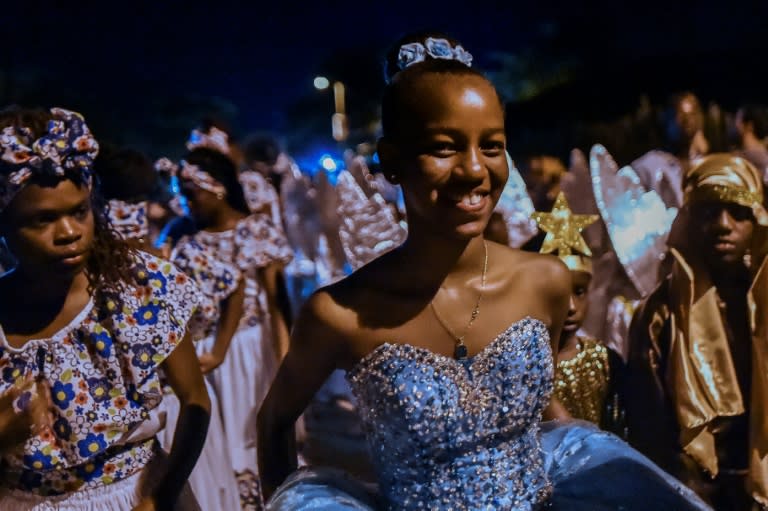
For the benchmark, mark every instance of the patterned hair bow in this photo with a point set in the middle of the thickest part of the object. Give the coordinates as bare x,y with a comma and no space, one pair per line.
68,147
215,139
166,166
202,179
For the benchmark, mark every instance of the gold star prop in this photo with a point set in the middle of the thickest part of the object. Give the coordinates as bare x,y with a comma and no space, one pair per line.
563,229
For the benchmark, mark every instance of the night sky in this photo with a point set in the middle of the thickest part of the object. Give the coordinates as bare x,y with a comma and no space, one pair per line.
141,59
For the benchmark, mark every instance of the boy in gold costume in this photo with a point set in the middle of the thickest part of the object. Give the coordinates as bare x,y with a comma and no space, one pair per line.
697,376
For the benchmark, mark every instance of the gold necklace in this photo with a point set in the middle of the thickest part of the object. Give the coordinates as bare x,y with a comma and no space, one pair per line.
460,349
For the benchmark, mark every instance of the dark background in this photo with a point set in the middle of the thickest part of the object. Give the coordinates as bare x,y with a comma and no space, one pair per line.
145,73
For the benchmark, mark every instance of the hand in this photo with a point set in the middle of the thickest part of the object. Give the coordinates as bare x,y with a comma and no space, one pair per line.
146,504
17,426
209,362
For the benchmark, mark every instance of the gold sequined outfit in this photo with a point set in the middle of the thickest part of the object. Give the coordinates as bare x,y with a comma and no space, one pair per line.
581,383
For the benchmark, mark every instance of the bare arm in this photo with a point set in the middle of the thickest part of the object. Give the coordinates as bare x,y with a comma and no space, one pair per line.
280,336
558,289
313,355
231,311
183,373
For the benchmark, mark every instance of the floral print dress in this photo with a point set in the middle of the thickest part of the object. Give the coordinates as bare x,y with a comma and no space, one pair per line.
102,370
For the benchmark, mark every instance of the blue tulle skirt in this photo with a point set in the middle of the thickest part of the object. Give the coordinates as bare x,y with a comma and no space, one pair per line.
591,470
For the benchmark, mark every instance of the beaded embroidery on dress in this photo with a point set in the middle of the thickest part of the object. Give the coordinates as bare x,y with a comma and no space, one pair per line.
449,434
465,435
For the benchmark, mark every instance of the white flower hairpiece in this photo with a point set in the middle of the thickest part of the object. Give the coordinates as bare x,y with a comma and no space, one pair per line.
437,48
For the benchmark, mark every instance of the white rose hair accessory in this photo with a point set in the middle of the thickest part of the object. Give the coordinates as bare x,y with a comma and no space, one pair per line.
202,179
435,48
129,220
68,147
215,139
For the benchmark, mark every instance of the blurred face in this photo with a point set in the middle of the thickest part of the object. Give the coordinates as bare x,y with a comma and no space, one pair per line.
50,229
688,116
157,214
742,127
202,204
724,232
543,180
450,157
579,304
263,168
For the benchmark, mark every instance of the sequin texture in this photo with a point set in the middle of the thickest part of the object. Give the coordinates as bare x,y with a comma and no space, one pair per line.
459,435
581,384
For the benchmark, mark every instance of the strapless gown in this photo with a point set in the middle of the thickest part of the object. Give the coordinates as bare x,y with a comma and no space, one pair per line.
449,434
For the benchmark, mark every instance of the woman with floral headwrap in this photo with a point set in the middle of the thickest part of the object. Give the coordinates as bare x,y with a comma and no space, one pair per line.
128,179
91,320
242,365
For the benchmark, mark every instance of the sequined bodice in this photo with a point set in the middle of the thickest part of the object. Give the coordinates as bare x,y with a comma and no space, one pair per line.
460,435
581,383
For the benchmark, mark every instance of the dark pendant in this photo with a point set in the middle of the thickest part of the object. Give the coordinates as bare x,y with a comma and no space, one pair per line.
460,352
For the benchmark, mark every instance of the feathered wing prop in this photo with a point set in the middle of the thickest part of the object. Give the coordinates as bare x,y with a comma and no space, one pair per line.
516,206
330,250
661,172
637,220
301,215
368,227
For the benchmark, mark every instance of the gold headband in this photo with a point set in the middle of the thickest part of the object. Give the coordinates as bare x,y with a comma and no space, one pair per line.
564,237
726,178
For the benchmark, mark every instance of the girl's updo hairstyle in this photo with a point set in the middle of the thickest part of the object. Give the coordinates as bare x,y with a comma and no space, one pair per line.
402,72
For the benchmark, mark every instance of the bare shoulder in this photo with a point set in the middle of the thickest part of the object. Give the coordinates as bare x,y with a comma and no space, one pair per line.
543,275
553,274
549,271
323,310
321,325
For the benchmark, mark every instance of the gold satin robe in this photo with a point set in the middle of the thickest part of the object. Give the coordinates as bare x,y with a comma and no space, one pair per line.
681,377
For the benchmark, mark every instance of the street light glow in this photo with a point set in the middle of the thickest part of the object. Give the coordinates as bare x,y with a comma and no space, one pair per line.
321,83
328,163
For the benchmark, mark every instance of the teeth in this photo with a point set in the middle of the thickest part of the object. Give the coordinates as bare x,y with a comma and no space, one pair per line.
472,199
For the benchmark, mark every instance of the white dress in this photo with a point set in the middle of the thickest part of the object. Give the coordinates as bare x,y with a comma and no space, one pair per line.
243,379
212,480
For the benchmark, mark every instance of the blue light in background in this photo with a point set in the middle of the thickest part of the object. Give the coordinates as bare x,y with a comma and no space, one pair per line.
328,163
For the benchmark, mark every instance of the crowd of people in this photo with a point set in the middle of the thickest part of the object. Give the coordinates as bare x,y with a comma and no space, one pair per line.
427,327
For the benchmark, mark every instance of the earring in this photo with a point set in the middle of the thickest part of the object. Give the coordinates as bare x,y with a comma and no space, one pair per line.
748,259
392,178
8,261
